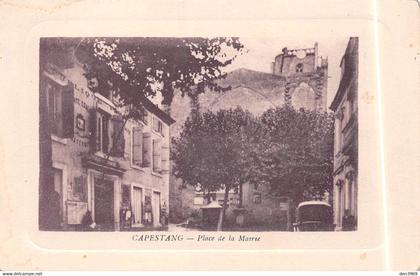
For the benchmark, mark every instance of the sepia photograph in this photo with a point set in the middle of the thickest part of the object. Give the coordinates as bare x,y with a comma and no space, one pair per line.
192,135
198,134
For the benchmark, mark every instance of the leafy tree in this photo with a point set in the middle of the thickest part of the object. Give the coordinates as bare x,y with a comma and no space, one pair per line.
134,68
297,159
213,151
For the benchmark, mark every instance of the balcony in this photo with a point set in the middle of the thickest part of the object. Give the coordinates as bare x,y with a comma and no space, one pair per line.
102,164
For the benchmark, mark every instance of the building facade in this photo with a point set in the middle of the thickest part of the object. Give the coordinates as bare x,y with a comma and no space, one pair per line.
107,171
345,108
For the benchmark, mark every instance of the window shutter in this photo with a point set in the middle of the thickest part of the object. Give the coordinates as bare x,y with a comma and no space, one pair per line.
156,156
147,147
51,94
92,129
154,124
163,129
105,134
118,137
145,117
55,108
165,158
68,111
160,127
137,146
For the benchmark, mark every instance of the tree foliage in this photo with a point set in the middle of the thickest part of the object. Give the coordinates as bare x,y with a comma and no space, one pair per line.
212,151
134,68
290,151
297,160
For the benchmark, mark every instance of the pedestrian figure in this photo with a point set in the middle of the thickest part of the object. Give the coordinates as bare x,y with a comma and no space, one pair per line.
54,218
87,221
349,222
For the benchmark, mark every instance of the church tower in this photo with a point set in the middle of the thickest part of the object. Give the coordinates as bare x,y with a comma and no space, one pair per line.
306,75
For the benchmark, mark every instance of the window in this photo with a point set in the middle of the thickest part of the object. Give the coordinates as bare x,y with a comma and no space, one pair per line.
106,133
157,126
156,156
80,188
351,193
234,201
137,146
60,108
341,124
55,110
102,134
257,198
337,135
165,158
144,117
147,148
299,68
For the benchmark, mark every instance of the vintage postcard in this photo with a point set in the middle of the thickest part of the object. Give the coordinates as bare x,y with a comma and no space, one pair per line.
239,144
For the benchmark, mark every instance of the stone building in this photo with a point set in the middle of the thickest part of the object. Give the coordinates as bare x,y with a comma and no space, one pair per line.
298,77
306,75
100,162
345,108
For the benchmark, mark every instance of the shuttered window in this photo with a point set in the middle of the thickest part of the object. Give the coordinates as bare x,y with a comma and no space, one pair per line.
144,117
147,149
104,132
99,131
68,111
60,109
137,146
163,129
156,156
157,125
118,136
165,158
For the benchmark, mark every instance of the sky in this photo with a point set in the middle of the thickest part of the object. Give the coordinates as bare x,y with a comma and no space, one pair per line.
260,52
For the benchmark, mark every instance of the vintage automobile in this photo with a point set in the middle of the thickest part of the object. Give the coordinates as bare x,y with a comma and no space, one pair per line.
313,216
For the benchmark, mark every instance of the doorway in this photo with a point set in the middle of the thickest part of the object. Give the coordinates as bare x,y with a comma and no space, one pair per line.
137,205
56,200
104,204
156,209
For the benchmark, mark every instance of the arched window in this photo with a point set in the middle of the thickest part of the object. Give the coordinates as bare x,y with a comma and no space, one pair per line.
299,68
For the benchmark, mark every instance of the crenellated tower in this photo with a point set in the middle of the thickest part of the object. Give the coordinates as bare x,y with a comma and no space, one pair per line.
306,75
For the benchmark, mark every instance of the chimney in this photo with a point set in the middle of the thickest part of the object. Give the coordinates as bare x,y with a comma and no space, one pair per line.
316,55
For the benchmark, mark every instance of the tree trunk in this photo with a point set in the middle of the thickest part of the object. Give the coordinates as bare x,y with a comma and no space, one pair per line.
240,195
223,210
194,103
